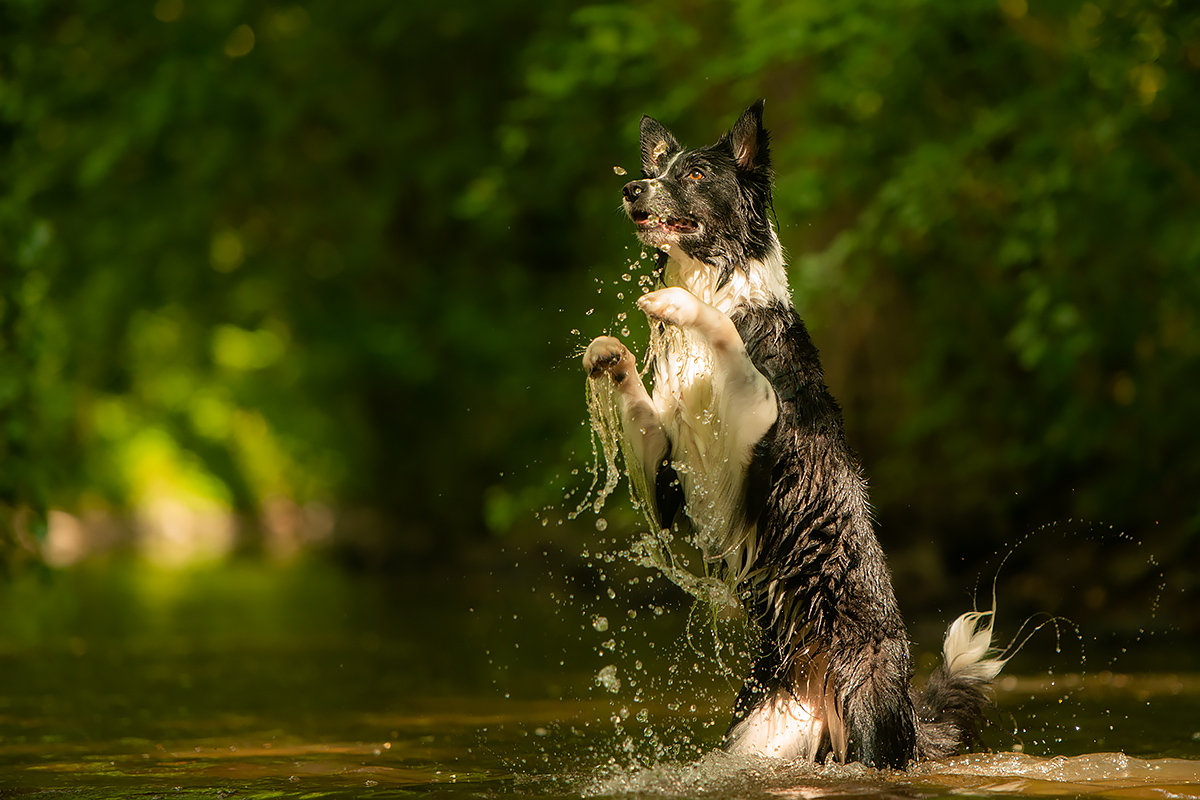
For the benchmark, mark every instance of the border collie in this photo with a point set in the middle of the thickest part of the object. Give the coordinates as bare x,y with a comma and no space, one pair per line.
740,444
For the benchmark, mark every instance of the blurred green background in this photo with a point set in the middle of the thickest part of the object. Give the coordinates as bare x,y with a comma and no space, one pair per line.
314,277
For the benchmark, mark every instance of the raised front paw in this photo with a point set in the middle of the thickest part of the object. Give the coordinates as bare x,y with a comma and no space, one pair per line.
673,304
606,355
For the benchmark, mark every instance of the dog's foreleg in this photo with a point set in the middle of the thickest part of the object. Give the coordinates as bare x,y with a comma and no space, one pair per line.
752,406
607,358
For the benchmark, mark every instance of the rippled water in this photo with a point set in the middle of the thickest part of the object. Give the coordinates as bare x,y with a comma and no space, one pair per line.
1098,774
304,682
520,748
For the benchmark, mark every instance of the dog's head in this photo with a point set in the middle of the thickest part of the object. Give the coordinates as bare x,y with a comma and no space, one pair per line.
712,202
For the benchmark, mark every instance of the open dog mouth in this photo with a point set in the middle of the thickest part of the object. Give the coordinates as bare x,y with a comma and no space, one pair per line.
647,221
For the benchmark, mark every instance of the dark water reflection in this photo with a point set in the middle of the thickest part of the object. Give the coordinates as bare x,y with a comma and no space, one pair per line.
304,681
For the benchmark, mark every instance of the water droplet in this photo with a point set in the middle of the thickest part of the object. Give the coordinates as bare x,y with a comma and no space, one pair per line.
619,171
601,524
600,623
607,678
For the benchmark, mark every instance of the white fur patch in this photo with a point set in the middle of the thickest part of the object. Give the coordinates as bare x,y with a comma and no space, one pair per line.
755,283
706,450
712,429
781,727
794,721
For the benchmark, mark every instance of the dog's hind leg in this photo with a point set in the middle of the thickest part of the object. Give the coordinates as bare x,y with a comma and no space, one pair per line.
785,712
880,719
606,356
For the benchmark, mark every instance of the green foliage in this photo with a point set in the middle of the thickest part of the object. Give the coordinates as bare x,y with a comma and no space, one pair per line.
992,210
335,252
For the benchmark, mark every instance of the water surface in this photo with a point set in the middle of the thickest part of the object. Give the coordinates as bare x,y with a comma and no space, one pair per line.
304,681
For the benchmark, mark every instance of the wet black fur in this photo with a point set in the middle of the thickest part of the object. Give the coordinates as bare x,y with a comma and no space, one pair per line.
805,489
807,493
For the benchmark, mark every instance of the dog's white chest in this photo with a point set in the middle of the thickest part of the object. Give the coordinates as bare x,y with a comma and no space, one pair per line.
688,394
685,390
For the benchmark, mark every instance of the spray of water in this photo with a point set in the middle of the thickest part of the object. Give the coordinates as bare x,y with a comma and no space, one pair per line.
646,754
678,709
613,458
1101,575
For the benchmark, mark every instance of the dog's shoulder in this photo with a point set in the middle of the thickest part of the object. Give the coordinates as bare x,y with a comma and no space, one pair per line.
781,348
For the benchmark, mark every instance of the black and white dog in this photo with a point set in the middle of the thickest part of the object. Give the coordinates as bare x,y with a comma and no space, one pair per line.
742,443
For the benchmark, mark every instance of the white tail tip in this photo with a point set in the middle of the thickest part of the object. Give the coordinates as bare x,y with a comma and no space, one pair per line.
968,646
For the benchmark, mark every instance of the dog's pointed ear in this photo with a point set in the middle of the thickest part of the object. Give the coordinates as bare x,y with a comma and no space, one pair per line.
658,145
749,140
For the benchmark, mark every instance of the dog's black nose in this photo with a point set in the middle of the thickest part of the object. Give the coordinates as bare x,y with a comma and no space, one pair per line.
634,189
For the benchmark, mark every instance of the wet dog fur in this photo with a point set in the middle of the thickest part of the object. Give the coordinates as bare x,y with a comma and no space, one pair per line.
741,444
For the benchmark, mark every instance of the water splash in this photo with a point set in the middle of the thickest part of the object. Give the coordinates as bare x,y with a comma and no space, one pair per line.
694,675
1106,582
607,677
714,536
1094,774
721,775
717,640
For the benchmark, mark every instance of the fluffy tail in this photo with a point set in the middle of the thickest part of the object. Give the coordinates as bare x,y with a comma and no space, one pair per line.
950,706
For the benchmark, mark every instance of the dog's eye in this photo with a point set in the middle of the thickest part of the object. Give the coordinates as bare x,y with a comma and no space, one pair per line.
696,175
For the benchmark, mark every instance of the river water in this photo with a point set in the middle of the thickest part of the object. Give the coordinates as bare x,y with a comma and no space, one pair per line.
306,681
